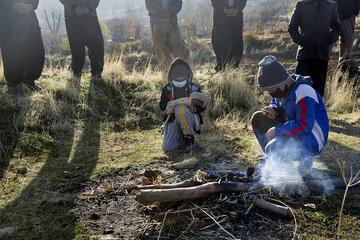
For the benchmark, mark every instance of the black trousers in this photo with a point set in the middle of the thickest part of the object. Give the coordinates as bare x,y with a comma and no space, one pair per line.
23,55
281,148
84,32
317,70
227,42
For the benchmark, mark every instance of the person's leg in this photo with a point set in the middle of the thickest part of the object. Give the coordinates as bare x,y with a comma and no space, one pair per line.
187,122
303,67
95,43
74,29
237,46
177,44
172,136
284,148
347,38
221,42
319,73
261,124
160,43
12,49
34,57
317,70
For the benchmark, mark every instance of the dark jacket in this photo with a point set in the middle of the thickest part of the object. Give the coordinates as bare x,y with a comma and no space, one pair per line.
11,21
167,92
155,10
220,18
347,8
319,28
70,6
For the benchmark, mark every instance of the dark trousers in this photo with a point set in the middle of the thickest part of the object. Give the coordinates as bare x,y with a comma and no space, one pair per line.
85,32
227,42
281,148
317,70
23,55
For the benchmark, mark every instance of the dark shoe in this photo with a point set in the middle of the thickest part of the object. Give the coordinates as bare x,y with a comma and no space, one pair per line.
190,142
77,75
16,91
32,86
97,77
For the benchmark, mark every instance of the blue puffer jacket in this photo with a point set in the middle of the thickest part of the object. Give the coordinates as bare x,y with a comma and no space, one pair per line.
305,115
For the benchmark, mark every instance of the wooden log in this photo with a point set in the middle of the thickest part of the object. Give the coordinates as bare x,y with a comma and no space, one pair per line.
285,211
204,190
320,185
171,194
184,184
261,203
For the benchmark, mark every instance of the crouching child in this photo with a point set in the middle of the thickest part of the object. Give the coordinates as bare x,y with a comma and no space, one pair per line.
295,125
183,117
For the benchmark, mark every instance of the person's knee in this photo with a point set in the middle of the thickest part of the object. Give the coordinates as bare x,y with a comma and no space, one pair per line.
256,118
181,109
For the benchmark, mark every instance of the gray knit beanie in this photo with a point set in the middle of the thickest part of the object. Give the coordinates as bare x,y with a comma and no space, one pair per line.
272,74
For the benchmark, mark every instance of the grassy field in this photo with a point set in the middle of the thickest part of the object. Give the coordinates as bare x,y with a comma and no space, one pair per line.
59,143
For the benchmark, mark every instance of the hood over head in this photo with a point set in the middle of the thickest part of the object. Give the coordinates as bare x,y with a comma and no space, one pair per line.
179,71
301,80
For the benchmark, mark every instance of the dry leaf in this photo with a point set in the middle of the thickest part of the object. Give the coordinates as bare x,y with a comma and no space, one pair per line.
145,181
135,175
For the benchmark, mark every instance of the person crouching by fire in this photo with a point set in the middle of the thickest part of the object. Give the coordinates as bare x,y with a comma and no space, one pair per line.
295,122
182,110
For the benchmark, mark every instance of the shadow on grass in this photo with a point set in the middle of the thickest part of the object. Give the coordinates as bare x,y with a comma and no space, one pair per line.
43,209
336,151
11,126
342,127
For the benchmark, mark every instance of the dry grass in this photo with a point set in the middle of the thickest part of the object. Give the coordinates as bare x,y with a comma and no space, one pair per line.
93,128
342,92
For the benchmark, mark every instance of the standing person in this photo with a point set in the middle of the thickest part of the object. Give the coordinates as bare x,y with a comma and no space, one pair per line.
165,31
347,11
21,42
295,126
227,34
319,29
84,30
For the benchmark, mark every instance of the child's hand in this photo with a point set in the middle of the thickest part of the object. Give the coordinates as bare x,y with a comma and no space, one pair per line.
169,112
270,113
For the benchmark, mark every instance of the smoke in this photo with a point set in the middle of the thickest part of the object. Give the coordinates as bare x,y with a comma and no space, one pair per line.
283,172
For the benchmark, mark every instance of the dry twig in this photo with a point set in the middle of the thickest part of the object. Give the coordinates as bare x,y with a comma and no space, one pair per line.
292,212
352,182
217,223
162,225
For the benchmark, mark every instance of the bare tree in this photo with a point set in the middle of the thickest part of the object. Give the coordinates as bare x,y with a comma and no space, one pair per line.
54,26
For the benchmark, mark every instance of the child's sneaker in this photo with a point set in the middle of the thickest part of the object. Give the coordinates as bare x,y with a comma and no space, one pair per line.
190,142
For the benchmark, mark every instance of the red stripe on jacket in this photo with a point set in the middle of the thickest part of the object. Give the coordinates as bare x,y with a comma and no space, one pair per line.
302,119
